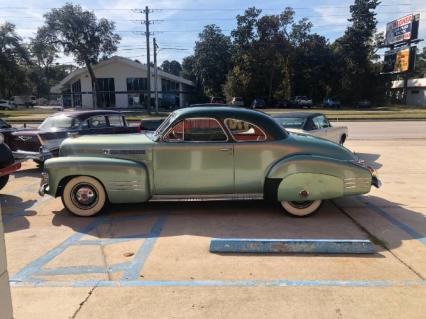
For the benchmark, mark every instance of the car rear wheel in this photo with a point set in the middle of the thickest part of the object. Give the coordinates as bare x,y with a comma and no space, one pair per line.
3,181
84,196
302,208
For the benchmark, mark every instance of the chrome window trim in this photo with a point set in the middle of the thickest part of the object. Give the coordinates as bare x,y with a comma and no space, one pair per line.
195,118
233,137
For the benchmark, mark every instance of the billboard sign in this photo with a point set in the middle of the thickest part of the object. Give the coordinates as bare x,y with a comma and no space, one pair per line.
402,29
399,61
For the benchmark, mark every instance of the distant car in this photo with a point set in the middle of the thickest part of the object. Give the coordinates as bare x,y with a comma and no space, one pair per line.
280,103
6,105
302,101
329,102
364,103
7,163
237,101
217,100
44,142
258,104
315,124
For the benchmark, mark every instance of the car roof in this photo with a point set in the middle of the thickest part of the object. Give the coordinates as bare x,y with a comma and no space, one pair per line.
209,104
84,114
261,119
304,115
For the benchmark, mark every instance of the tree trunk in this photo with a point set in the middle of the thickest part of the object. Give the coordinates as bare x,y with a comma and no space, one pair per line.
94,85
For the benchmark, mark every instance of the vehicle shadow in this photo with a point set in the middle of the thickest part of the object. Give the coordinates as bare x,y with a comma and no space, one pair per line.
30,172
249,219
370,159
14,212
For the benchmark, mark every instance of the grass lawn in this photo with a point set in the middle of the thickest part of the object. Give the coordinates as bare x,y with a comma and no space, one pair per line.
392,112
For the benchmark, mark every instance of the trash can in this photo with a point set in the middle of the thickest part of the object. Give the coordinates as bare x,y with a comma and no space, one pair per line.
5,297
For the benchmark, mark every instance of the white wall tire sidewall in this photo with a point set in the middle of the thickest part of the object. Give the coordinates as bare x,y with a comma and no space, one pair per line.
300,212
71,207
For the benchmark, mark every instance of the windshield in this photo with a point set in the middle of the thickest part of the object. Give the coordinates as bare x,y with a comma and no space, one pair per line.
291,122
165,124
59,122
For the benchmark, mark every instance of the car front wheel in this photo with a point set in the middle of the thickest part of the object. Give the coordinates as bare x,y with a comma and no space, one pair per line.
84,196
302,208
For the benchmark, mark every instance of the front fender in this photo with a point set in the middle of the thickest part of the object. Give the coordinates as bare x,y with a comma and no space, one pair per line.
321,177
124,181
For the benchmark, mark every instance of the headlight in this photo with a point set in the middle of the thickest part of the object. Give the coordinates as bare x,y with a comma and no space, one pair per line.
1,138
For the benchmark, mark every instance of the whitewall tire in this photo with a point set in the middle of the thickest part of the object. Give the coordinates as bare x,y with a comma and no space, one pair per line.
303,208
84,196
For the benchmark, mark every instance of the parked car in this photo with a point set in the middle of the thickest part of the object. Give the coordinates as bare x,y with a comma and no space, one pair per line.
6,105
44,142
315,124
363,103
280,103
237,101
25,100
6,130
330,102
217,100
258,104
7,163
205,154
302,101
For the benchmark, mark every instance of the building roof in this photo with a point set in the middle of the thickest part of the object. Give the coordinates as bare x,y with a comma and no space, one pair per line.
412,83
261,119
117,59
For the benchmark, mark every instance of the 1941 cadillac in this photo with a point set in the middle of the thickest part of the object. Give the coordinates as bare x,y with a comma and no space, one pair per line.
205,153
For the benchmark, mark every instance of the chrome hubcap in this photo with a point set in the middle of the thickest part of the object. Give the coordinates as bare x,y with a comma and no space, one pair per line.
301,205
84,196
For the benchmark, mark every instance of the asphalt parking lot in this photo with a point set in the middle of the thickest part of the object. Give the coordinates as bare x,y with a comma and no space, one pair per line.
153,261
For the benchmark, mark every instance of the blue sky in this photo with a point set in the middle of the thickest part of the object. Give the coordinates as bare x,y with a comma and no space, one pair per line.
182,20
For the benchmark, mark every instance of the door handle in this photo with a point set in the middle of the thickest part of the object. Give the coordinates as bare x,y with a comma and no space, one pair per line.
225,149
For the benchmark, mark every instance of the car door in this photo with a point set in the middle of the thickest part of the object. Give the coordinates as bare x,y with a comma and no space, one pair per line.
96,124
194,157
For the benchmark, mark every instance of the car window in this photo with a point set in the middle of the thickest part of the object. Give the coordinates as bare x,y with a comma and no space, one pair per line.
98,121
243,131
321,122
291,122
196,130
59,122
116,120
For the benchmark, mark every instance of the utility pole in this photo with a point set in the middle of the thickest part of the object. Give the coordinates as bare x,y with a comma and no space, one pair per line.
155,47
148,60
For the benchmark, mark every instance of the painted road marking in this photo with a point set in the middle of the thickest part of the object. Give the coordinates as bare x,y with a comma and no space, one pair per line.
315,246
409,230
131,269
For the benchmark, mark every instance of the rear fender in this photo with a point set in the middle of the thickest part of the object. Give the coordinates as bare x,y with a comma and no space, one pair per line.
124,181
307,177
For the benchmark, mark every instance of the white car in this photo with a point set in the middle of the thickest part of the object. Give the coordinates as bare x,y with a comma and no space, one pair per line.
315,124
302,101
6,105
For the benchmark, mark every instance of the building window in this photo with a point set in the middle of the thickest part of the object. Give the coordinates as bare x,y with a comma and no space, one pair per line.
169,86
136,99
76,88
106,92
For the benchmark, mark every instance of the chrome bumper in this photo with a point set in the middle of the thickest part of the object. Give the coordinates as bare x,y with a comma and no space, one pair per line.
41,156
44,184
42,189
375,181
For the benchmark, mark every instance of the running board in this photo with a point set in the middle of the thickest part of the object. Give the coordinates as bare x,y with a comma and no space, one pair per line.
202,198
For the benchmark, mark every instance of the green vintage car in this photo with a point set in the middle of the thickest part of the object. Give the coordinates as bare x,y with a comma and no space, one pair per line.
205,153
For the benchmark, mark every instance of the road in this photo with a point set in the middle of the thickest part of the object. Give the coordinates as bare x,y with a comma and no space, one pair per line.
385,130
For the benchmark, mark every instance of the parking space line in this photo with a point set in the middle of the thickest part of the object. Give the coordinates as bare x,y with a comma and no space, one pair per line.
133,272
409,230
224,283
77,270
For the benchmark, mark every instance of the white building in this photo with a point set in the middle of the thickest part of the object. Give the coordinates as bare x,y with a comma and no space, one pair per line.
118,78
416,92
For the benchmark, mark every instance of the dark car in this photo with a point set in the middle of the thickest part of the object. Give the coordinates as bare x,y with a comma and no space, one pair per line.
6,130
44,142
258,104
7,163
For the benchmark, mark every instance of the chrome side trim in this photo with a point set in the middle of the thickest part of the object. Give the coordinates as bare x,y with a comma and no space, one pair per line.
199,198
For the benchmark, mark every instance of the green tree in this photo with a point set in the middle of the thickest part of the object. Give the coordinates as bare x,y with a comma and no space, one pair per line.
172,67
14,58
355,52
78,32
212,59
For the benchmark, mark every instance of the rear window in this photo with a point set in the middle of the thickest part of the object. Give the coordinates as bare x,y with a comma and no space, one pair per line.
243,131
59,122
291,122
